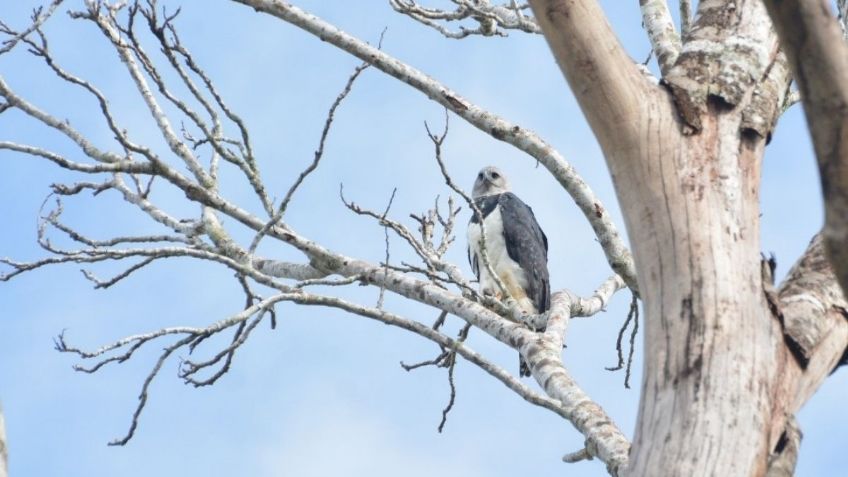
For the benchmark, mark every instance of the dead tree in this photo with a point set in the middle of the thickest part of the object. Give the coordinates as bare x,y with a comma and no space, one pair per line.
730,357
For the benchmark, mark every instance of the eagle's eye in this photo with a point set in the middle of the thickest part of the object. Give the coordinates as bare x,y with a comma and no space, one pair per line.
495,175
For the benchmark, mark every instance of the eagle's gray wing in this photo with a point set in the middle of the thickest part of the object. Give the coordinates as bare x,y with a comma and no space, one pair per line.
527,245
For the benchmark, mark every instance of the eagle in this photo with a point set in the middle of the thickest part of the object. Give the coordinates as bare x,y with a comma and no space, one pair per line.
516,247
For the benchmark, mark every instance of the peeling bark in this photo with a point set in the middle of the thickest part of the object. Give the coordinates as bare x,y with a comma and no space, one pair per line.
726,53
762,112
809,293
812,304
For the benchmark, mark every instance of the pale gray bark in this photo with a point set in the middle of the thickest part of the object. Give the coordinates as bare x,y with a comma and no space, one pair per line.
715,353
818,55
475,17
664,39
726,53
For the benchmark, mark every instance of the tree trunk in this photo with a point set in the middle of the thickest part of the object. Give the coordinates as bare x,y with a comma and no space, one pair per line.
685,156
692,211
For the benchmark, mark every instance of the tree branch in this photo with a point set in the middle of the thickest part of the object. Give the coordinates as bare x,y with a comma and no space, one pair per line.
608,86
544,357
814,313
685,17
492,20
319,153
38,18
726,54
543,352
660,26
109,26
818,55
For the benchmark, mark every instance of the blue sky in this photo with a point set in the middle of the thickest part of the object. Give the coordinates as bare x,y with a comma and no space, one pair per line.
351,410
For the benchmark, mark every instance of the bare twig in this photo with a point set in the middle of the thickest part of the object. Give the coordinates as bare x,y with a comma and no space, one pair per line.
445,359
793,98
426,250
133,343
39,16
525,140
388,256
632,315
582,454
206,238
437,144
319,153
108,283
452,398
491,20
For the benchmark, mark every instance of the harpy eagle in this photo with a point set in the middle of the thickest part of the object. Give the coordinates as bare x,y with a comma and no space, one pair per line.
516,247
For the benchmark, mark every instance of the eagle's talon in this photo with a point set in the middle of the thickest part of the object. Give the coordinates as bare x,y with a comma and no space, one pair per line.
491,293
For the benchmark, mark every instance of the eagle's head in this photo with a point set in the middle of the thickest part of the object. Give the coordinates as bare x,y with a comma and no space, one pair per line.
490,181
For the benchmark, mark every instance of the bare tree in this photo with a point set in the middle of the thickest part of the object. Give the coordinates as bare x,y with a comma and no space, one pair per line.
730,356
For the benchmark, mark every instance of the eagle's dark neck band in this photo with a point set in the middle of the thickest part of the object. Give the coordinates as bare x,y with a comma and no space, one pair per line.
486,204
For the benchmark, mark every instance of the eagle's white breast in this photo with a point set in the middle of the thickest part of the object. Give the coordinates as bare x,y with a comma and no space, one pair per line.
509,271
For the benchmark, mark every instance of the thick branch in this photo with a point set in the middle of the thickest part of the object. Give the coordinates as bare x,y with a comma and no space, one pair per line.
725,55
813,310
605,81
544,357
527,393
818,55
664,40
